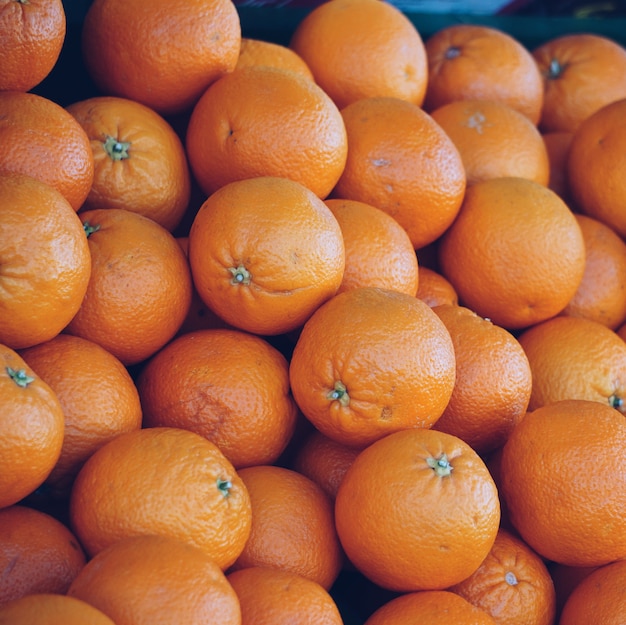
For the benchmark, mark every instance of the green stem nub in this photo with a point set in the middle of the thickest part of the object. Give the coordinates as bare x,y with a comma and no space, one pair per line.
89,229
20,377
239,275
615,401
339,393
441,466
555,69
116,150
224,486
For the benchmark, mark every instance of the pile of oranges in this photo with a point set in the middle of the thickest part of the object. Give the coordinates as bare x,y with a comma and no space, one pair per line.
327,332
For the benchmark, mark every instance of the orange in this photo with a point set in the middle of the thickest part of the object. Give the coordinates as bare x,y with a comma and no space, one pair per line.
401,161
51,609
429,606
378,249
98,396
277,597
44,261
571,511
479,62
140,287
266,121
493,380
265,253
597,156
293,525
575,358
41,139
164,481
227,385
140,162
557,145
512,584
434,289
601,296
599,598
369,49
163,54
31,38
370,362
417,510
494,140
38,553
515,254
143,580
582,72
32,426
261,52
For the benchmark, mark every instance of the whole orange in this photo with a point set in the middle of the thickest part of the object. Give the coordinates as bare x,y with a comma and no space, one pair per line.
51,609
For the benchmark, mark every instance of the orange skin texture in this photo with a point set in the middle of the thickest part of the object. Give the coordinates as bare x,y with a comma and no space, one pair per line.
31,37
125,487
244,112
163,55
36,127
494,140
512,584
582,72
38,553
434,289
270,596
293,525
261,52
44,261
150,579
570,510
140,287
370,49
32,426
370,362
401,161
515,254
476,62
493,380
227,385
98,396
153,177
597,156
51,609
283,236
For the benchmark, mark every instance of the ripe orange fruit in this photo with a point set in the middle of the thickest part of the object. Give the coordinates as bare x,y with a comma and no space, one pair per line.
515,254
478,62
597,156
582,72
44,259
51,609
140,287
98,396
429,606
512,584
164,481
265,253
226,385
370,362
142,580
38,553
557,145
31,37
575,358
433,527
434,289
401,161
269,596
493,380
261,52
494,140
293,525
370,49
164,54
601,296
140,162
32,425
241,115
44,141
378,250
571,511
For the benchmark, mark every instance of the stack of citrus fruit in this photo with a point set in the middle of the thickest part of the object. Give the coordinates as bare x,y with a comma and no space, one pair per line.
310,332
